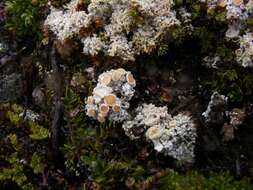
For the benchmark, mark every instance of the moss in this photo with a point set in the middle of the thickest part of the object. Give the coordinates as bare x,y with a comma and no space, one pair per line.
38,132
20,162
196,181
36,163
15,172
234,83
23,16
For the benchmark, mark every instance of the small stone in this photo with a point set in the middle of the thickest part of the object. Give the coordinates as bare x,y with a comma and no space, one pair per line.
38,95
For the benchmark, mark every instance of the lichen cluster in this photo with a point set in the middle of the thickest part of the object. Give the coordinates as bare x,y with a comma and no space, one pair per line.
121,29
171,135
238,14
147,115
111,96
174,136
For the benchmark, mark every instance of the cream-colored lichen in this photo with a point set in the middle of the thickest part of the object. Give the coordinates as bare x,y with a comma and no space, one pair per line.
111,95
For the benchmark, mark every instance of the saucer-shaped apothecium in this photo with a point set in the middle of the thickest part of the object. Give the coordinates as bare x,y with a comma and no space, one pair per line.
237,2
110,97
104,109
116,108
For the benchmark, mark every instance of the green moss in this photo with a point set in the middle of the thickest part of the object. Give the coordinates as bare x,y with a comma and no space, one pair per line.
36,163
14,141
225,53
196,11
162,50
205,37
234,83
13,117
195,181
38,132
15,172
23,16
217,15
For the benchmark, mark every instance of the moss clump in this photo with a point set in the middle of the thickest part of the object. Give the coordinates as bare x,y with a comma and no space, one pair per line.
23,16
196,181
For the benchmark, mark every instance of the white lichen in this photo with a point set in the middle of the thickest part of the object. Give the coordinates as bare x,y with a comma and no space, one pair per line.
29,115
244,54
92,45
237,13
110,97
147,115
129,28
121,48
172,136
177,140
235,9
212,4
211,61
185,19
66,24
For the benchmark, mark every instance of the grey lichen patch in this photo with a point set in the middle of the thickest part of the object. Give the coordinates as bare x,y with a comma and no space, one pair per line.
172,136
148,115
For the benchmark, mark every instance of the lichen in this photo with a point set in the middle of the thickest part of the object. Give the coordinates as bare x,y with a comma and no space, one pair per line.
123,34
173,136
237,12
111,96
245,53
